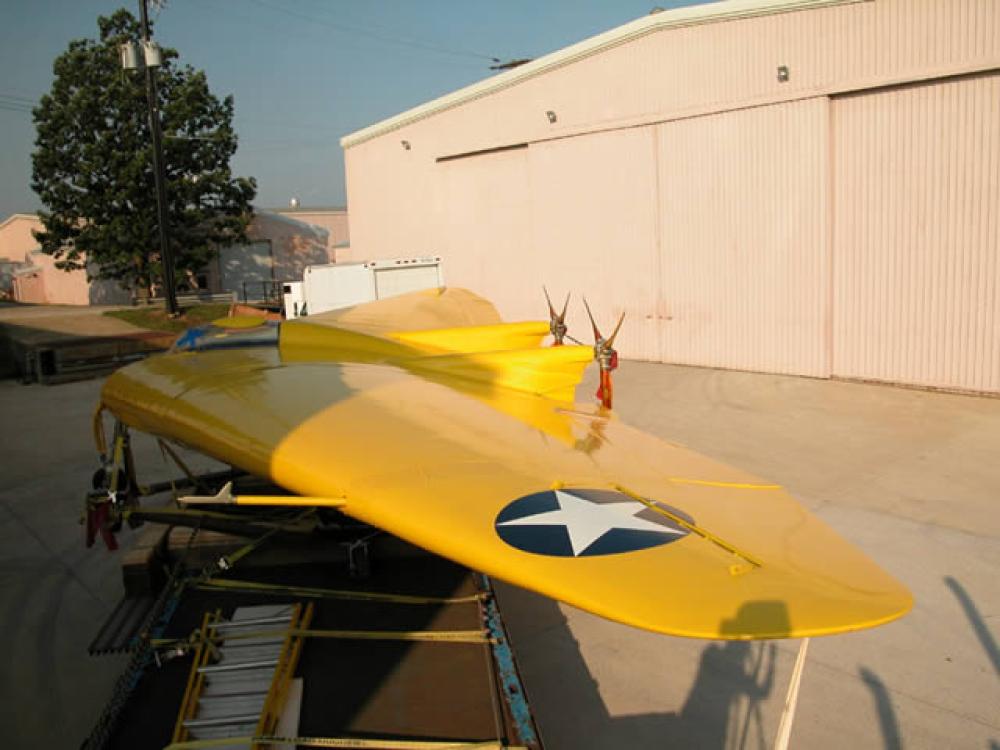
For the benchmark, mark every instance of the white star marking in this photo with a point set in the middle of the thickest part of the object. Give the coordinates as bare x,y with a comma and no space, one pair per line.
586,522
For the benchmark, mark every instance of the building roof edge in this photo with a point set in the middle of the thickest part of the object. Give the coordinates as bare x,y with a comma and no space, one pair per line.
711,12
13,217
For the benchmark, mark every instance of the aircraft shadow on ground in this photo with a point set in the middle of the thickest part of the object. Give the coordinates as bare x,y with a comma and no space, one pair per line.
722,708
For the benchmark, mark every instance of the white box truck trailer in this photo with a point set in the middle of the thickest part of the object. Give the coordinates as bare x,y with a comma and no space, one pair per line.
332,286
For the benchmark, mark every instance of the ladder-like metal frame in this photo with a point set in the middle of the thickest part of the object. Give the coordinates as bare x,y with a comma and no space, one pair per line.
274,704
196,678
207,639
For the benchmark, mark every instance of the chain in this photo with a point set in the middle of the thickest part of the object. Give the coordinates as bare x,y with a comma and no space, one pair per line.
156,622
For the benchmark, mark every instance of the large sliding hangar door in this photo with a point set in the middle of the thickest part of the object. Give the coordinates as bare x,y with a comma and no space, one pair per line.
853,236
575,214
856,236
743,205
916,277
710,233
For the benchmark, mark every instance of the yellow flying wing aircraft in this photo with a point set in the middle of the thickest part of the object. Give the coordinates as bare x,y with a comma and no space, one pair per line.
426,416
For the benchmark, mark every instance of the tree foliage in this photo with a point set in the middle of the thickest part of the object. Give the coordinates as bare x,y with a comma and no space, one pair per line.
93,164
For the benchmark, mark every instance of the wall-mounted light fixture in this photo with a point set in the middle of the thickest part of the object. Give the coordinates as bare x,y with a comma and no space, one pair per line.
551,115
782,73
405,145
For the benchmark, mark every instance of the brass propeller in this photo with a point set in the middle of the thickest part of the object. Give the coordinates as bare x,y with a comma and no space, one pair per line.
557,321
606,356
601,344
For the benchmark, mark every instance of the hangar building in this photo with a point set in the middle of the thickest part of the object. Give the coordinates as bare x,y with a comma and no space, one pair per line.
808,187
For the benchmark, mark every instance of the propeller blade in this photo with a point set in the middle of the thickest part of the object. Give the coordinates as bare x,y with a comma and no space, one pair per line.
611,341
597,331
552,310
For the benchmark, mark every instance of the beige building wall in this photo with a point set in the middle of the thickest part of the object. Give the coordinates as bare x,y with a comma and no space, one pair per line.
40,282
917,234
333,220
29,286
61,287
593,204
744,241
282,244
16,240
664,169
294,243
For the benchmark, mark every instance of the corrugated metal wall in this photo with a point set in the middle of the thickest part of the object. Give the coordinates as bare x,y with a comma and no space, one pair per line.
739,221
694,69
917,235
593,204
743,207
575,215
481,206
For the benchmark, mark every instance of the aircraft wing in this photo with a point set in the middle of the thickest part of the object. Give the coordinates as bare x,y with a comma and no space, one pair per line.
461,442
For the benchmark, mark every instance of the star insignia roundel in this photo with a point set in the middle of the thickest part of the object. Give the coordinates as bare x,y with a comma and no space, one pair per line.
585,523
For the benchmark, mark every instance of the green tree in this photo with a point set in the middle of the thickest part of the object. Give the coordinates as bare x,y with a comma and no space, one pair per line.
93,166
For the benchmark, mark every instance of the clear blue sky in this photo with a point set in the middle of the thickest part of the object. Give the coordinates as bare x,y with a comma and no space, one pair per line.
303,72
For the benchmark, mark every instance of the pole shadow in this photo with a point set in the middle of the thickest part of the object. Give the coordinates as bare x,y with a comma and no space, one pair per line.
883,706
976,620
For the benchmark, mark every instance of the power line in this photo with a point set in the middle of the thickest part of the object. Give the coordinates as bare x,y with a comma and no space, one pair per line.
349,28
11,107
14,98
22,104
258,148
16,103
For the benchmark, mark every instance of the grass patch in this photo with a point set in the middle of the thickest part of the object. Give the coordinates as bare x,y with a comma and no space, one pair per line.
156,318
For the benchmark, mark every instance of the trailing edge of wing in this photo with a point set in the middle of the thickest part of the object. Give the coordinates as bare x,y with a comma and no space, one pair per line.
486,354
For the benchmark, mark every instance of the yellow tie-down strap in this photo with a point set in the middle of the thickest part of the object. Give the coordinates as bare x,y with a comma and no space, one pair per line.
428,636
431,636
349,743
317,593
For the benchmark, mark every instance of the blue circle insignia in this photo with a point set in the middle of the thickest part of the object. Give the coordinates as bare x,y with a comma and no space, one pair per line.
585,523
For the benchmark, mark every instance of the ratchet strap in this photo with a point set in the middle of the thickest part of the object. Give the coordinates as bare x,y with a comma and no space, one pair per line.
428,636
318,593
348,743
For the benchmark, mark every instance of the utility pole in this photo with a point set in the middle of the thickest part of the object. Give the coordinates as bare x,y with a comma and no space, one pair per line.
166,256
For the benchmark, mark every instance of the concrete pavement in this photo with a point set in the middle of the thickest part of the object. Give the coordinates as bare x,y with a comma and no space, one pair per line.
76,320
911,477
55,593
